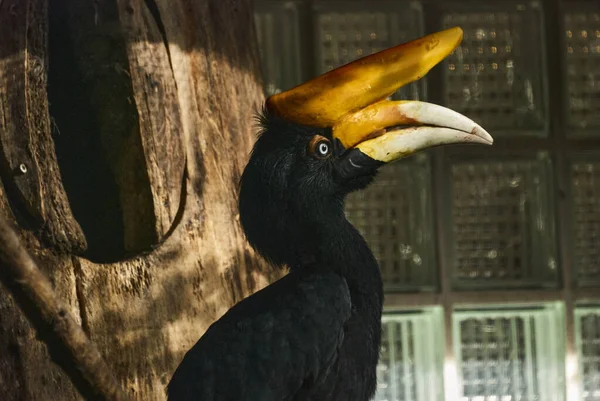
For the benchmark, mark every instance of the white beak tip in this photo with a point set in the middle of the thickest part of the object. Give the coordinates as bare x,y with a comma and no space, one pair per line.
485,137
440,116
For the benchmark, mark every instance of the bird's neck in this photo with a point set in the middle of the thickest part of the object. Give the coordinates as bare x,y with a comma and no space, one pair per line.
310,232
339,247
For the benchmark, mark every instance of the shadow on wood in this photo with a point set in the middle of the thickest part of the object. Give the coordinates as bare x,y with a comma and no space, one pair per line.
152,107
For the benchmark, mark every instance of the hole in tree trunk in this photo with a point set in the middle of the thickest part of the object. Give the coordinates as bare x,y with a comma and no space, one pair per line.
95,130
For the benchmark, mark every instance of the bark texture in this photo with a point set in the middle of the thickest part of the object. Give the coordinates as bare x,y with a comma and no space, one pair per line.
124,129
68,344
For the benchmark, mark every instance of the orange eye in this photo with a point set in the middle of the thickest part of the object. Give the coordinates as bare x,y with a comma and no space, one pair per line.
319,147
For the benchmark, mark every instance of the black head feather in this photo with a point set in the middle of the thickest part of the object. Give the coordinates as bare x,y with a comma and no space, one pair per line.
286,192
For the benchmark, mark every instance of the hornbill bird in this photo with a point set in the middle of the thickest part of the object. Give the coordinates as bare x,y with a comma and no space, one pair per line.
315,333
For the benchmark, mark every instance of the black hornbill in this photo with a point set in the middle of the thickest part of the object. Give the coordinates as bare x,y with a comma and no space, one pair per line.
315,334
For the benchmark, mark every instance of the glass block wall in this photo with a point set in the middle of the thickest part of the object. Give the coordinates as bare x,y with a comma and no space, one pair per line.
502,222
581,51
518,221
395,217
510,354
585,218
494,75
410,366
587,330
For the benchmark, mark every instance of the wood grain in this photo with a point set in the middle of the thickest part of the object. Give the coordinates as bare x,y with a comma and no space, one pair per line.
164,94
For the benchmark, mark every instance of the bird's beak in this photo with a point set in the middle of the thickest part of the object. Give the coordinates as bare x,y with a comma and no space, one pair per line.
352,101
389,130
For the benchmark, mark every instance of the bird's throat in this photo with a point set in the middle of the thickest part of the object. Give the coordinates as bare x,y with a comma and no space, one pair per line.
350,256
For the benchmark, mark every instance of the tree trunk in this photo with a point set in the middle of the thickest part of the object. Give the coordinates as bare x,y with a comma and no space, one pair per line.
124,129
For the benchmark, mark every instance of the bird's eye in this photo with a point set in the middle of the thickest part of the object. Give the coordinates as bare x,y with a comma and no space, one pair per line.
323,148
319,147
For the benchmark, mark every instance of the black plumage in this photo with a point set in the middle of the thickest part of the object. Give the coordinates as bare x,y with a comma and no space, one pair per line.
314,334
